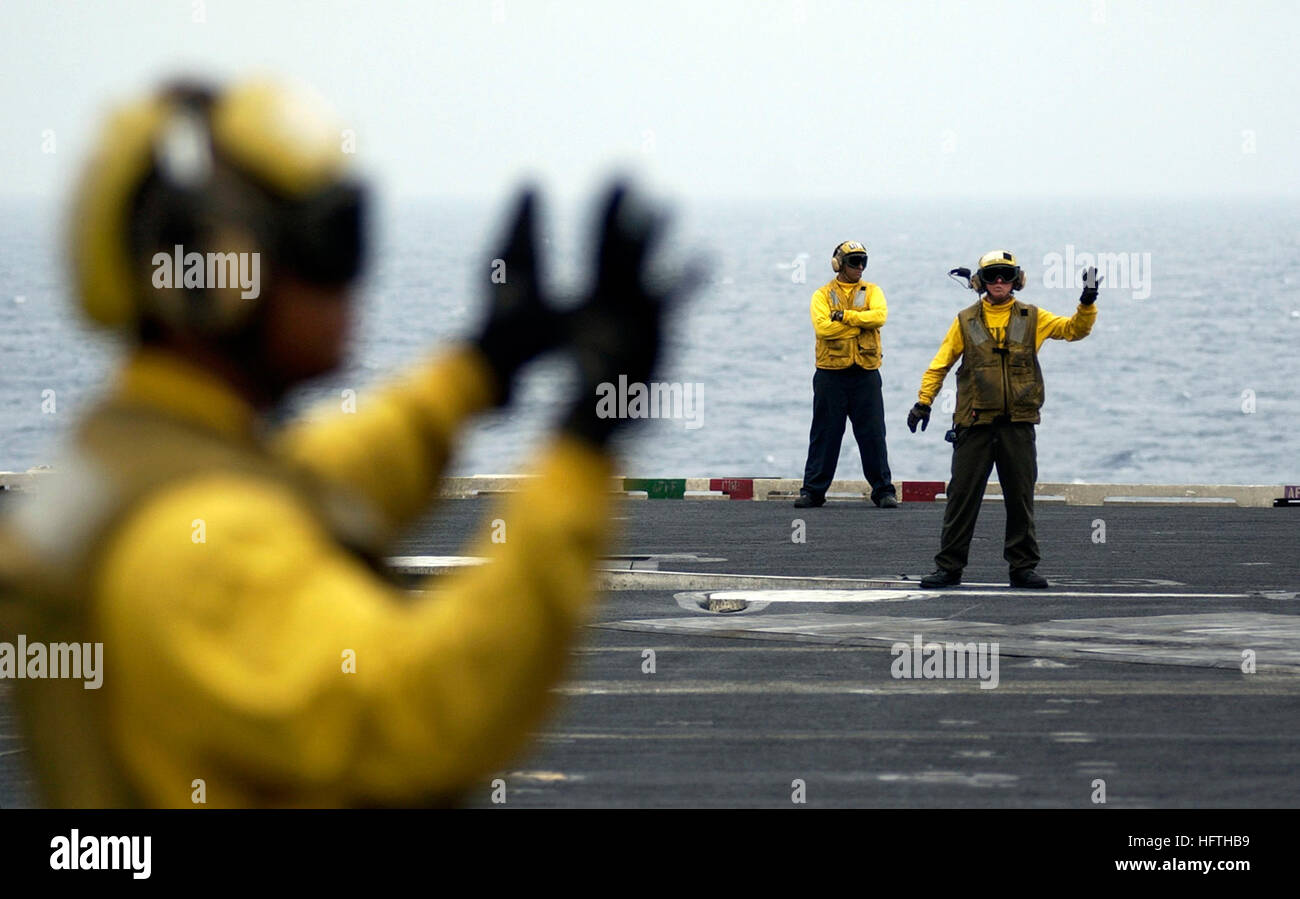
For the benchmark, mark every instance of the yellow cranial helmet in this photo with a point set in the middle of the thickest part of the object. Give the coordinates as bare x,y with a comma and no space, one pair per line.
998,260
259,167
848,247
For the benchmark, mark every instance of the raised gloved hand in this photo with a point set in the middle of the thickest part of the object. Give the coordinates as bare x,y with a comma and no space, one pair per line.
1090,284
520,324
837,315
919,413
618,330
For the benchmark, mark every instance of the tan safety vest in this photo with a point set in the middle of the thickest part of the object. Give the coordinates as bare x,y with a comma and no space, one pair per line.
839,353
995,380
122,456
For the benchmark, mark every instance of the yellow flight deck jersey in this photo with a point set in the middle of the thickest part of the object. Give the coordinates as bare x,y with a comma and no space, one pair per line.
1051,326
856,340
248,649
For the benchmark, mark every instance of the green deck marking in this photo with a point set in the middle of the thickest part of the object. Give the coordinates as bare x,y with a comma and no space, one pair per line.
658,488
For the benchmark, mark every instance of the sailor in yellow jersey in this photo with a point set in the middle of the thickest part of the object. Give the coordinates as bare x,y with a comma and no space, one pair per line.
847,315
254,653
999,394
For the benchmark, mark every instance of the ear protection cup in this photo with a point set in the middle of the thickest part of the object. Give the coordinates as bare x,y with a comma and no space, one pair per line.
217,222
198,286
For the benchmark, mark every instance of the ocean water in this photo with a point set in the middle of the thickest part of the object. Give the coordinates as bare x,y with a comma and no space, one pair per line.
1191,375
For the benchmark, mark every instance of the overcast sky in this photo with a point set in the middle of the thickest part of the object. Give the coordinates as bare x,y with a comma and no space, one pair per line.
791,98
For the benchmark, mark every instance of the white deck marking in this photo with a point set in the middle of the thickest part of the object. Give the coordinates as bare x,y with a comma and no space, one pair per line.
888,595
1215,640
760,599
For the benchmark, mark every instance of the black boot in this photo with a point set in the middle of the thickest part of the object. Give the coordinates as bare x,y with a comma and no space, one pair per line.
1027,577
941,578
807,501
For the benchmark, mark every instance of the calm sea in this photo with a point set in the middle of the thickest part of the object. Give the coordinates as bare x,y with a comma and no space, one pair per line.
1191,374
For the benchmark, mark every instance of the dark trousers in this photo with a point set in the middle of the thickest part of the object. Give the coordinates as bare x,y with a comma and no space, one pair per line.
852,393
1013,448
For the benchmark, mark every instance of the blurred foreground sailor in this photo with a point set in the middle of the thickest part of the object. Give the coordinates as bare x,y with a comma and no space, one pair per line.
847,315
999,394
254,653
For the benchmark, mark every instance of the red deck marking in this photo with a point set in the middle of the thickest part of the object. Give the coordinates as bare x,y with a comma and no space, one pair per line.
922,491
736,488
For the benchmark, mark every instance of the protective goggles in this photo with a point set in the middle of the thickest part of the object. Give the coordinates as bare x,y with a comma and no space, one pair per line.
322,238
995,273
855,260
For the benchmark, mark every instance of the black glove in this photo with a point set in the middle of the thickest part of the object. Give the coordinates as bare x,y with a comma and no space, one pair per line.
837,315
520,324
1090,284
618,329
919,413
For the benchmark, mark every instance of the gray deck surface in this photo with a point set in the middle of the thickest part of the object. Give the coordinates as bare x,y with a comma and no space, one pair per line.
1128,670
